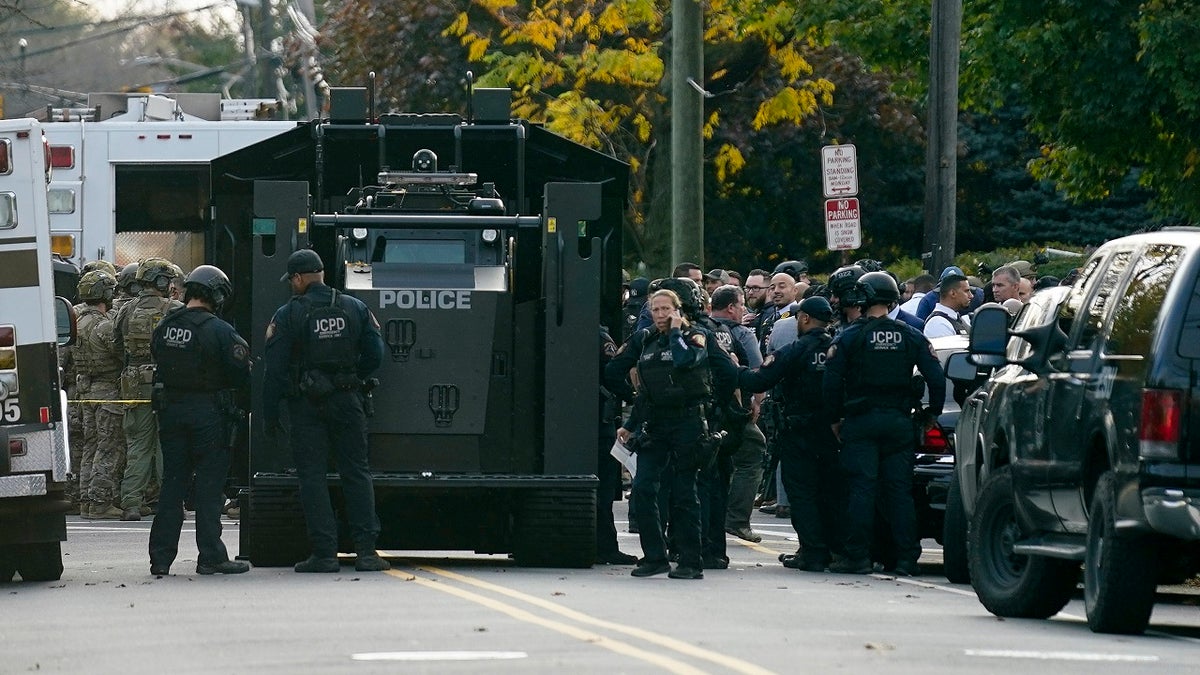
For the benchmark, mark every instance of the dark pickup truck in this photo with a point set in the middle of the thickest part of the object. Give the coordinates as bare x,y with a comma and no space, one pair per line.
1086,453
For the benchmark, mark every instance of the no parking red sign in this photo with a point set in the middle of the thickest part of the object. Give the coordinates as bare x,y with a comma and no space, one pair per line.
843,224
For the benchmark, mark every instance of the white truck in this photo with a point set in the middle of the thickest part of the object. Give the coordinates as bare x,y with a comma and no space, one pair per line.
34,454
131,173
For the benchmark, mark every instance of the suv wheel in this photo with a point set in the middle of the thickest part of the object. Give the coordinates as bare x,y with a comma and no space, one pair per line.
954,535
1009,584
1119,571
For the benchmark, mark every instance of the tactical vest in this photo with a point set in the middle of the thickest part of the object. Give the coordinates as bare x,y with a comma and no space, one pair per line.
960,327
182,363
802,387
94,354
330,335
138,321
720,332
880,366
665,385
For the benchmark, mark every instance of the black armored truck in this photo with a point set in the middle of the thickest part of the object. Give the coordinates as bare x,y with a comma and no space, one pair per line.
489,251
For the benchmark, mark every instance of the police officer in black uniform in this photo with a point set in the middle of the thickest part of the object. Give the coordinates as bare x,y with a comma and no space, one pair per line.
672,365
321,346
608,469
201,361
868,385
808,450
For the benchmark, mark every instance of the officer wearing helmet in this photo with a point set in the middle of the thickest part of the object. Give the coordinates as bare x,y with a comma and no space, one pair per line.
102,265
868,388
844,295
127,285
320,348
97,371
201,361
674,384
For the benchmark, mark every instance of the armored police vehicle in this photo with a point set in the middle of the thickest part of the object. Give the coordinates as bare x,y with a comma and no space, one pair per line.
34,455
489,251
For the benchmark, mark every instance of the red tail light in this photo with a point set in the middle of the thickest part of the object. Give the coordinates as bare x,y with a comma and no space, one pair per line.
936,441
1161,424
16,447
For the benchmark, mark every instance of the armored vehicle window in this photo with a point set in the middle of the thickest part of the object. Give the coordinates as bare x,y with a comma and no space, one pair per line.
1097,310
1137,309
430,251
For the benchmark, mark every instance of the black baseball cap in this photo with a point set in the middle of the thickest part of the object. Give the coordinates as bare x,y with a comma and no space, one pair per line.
303,261
818,308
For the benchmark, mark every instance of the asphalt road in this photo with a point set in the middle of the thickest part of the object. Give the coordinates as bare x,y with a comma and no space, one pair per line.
454,612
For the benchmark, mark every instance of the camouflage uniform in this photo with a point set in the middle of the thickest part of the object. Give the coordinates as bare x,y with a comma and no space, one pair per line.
66,361
97,366
134,325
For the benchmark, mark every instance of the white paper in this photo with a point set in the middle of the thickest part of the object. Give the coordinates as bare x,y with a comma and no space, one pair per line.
625,457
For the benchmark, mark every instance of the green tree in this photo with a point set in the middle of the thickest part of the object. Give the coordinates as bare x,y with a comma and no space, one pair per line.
1109,87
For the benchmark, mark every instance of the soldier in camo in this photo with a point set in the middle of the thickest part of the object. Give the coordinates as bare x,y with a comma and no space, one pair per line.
66,361
97,369
134,325
127,285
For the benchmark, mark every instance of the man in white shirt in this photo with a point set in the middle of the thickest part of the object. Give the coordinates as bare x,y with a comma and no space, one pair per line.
954,297
921,285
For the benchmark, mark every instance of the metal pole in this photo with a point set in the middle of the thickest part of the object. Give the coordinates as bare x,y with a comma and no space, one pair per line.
687,127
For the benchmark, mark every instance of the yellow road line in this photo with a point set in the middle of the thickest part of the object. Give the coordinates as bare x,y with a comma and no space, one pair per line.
757,547
664,662
733,663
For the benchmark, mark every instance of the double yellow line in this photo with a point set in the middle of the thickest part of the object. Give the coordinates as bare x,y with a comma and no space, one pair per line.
660,660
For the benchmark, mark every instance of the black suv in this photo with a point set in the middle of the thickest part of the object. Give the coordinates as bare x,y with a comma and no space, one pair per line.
1098,462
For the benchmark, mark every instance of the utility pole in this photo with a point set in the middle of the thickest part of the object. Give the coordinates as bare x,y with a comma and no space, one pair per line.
687,132
941,157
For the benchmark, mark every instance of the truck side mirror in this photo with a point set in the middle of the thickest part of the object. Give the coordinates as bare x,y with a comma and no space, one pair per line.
989,336
960,369
65,321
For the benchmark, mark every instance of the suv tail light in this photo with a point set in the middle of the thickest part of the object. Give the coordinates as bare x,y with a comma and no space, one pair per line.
1162,419
935,441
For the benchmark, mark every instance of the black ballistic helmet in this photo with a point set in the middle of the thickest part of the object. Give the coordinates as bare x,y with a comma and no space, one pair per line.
209,282
691,299
843,279
878,288
127,278
792,268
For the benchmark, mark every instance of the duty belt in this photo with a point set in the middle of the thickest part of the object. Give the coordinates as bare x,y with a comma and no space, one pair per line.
674,412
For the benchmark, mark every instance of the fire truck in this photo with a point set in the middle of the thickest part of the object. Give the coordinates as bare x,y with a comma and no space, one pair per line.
34,455
131,172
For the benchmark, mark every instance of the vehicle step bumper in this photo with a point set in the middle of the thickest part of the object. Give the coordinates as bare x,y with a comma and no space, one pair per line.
1173,512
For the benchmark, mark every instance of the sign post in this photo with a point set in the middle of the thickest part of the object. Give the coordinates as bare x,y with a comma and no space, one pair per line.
843,224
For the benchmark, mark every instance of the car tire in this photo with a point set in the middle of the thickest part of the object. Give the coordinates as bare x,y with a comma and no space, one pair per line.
1119,572
1010,584
955,563
41,561
9,556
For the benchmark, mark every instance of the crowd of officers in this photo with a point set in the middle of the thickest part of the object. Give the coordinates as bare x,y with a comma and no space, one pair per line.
153,377
838,361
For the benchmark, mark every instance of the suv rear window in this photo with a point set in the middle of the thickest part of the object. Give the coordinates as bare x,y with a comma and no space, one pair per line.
1189,338
1137,310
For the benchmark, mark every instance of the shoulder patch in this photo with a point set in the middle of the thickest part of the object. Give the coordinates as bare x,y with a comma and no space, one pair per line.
697,339
769,360
240,352
271,329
